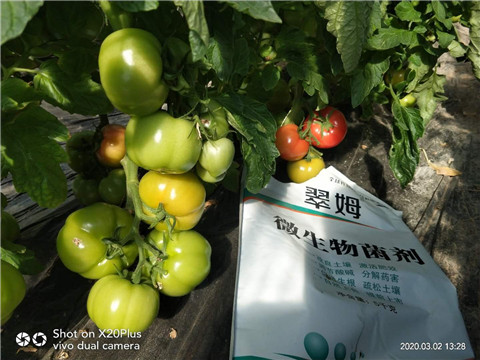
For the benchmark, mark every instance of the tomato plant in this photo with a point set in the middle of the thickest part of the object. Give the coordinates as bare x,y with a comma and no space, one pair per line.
328,128
13,290
116,303
181,195
163,143
187,263
136,55
302,170
289,143
81,241
213,78
112,147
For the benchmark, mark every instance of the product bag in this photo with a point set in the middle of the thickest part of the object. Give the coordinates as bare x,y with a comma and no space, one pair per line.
328,271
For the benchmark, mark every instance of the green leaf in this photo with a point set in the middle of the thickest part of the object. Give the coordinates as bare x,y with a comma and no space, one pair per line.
406,12
474,46
227,54
21,258
261,10
441,14
364,80
31,151
299,53
444,39
421,63
256,127
349,22
388,38
137,6
199,35
428,94
270,77
457,49
404,154
75,93
17,94
15,16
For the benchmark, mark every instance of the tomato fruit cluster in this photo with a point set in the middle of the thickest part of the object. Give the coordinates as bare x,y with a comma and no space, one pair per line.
175,155
324,129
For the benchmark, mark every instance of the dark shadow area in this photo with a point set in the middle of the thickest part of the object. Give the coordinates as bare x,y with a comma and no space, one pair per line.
377,180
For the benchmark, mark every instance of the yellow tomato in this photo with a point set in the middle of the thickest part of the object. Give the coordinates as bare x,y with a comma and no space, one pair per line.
182,195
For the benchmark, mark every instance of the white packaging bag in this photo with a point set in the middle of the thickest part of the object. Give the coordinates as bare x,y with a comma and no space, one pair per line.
328,271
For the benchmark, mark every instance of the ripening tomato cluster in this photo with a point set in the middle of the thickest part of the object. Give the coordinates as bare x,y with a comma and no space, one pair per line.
325,129
176,156
95,157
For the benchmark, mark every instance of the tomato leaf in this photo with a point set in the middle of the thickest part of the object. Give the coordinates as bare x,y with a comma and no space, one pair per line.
406,12
428,94
349,22
31,152
199,34
75,93
441,14
408,127
302,63
256,127
15,16
137,6
21,258
17,94
444,39
270,77
365,79
261,10
474,47
388,38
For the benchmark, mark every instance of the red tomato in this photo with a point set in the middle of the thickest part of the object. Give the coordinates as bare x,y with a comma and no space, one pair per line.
328,128
289,143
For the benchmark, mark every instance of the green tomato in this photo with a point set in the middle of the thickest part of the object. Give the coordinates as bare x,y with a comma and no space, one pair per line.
115,303
13,290
85,190
215,120
217,156
80,245
395,77
130,65
206,176
162,143
408,100
80,149
10,227
187,264
113,188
